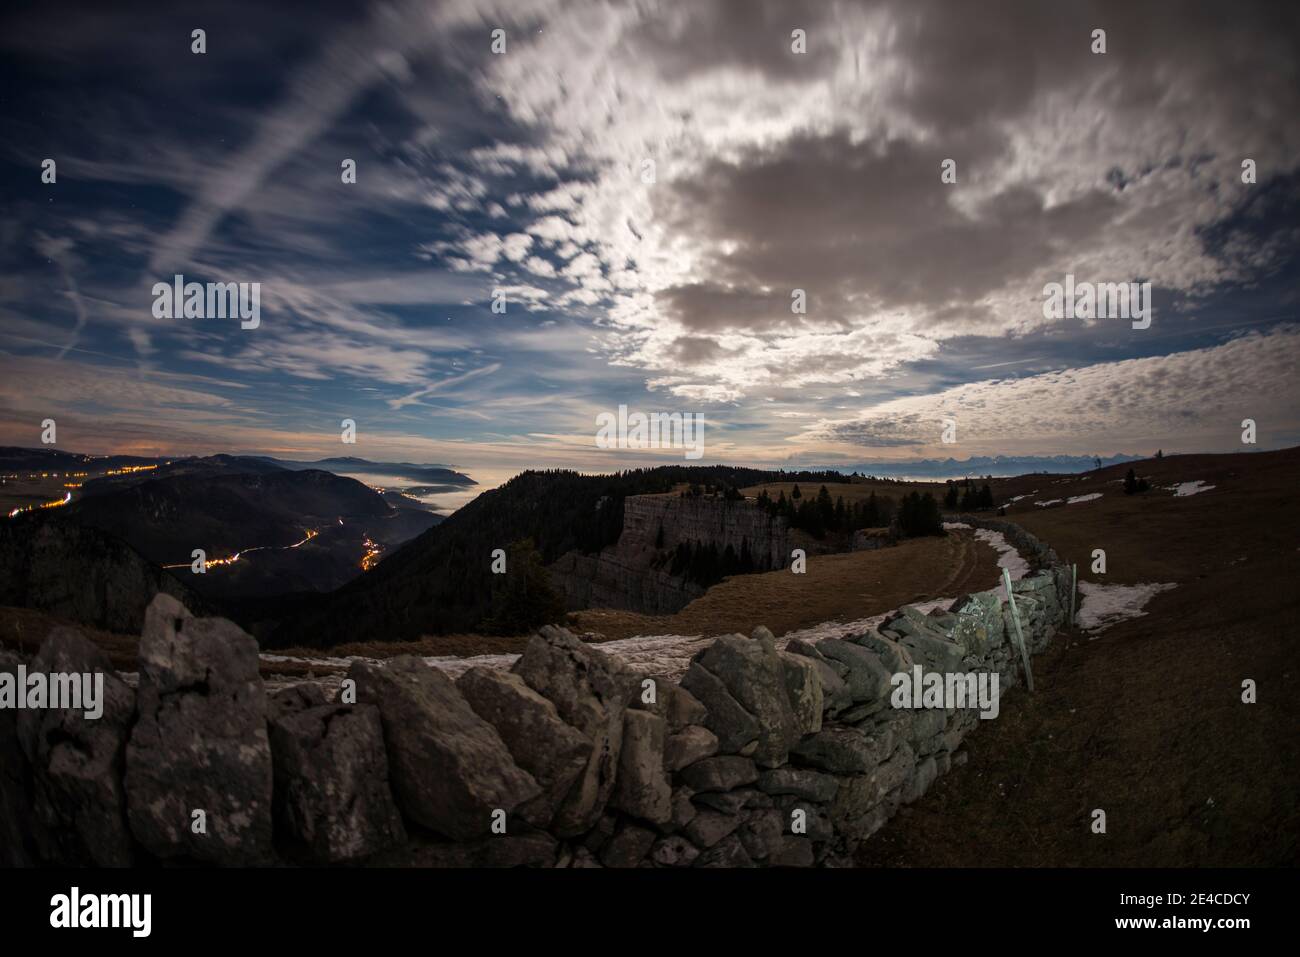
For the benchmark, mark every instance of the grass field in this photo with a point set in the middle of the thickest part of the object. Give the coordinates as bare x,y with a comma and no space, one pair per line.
1146,721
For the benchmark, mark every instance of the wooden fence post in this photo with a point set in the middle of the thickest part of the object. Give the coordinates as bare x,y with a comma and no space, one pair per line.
1020,635
1074,589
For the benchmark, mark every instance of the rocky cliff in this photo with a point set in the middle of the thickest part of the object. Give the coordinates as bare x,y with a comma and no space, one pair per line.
633,573
81,573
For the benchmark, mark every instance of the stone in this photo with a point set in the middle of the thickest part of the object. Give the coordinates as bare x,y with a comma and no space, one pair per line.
753,674
733,802
792,851
979,626
332,796
628,847
527,849
708,827
734,726
674,851
728,852
808,649
693,743
817,821
860,796
449,768
77,762
938,654
862,713
679,707
868,678
720,773
762,633
294,699
804,690
18,824
544,745
642,788
200,741
761,832
926,723
920,782
894,656
845,750
590,691
811,785
684,809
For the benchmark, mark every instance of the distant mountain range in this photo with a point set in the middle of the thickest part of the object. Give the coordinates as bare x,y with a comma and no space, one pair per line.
999,466
16,459
346,464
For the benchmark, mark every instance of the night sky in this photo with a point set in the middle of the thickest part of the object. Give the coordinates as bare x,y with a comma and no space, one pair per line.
525,171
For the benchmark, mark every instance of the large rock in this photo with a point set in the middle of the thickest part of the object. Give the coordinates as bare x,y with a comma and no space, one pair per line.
728,852
629,847
642,788
754,675
674,851
804,690
894,656
722,773
801,782
830,675
78,761
450,769
708,827
543,744
677,706
845,750
735,727
979,627
590,691
934,651
691,744
332,796
863,802
200,743
868,678
18,825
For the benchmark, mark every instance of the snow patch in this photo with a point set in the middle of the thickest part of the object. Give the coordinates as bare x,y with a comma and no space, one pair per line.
1104,605
1183,489
1083,498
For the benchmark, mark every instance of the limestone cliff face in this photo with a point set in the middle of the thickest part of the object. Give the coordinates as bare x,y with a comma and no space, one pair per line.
625,575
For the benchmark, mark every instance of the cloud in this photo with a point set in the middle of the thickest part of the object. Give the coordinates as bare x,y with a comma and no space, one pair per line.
1190,400
442,385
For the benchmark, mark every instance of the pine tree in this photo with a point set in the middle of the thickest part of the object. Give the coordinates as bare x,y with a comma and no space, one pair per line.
525,599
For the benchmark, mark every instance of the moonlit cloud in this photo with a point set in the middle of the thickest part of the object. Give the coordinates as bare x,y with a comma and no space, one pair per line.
652,186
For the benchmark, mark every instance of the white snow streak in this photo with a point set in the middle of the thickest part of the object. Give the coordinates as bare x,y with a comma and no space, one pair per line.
1104,605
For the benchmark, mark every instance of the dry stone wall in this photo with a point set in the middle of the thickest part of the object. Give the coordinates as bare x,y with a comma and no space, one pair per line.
757,757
